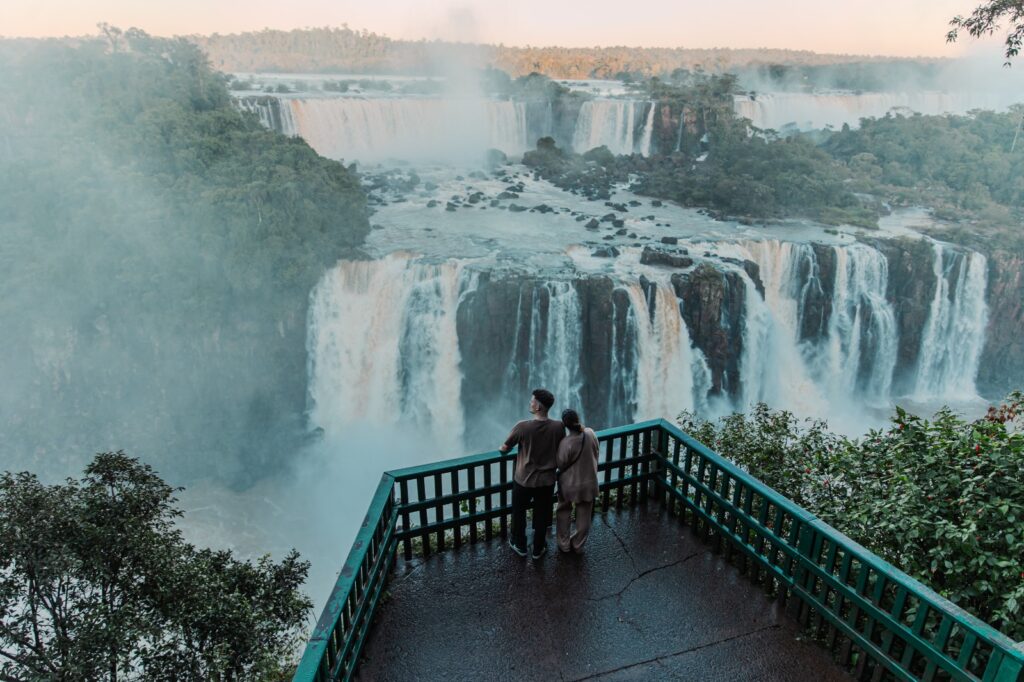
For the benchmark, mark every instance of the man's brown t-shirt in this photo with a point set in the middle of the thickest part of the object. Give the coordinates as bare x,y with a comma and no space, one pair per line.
538,441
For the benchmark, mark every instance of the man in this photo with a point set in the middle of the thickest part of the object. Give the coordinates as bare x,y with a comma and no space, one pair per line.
538,440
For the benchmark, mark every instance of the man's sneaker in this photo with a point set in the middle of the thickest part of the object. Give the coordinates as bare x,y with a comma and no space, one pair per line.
538,553
518,550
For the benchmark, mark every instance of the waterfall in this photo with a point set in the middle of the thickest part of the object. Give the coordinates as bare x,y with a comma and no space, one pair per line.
553,355
954,335
274,113
645,137
808,111
391,127
613,124
671,375
854,353
860,353
383,347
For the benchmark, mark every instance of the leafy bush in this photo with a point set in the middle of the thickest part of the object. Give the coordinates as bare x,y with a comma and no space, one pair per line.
942,499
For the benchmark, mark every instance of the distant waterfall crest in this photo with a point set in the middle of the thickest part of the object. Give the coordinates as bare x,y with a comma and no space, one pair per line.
615,124
954,335
390,127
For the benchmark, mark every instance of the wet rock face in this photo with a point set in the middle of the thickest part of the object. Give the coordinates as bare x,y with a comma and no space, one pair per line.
912,285
1002,360
816,305
673,258
713,307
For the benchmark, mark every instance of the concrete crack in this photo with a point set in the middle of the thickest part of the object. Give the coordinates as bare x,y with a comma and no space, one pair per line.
658,659
622,543
642,574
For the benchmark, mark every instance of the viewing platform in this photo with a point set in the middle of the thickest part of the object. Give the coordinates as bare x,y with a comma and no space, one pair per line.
694,570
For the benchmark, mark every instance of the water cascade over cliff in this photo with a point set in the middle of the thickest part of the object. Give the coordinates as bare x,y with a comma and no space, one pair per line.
806,327
379,128
624,126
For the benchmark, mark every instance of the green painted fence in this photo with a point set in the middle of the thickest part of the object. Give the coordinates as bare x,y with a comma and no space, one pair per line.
879,622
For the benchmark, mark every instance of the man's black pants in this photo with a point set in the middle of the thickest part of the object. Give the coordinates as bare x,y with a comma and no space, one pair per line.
542,498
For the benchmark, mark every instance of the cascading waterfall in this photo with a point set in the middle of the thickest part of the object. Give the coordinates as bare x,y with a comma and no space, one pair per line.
954,335
273,112
384,341
383,346
613,124
671,375
391,127
860,352
554,342
854,354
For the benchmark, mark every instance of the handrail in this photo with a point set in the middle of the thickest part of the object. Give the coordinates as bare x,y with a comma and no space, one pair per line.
881,619
842,585
319,659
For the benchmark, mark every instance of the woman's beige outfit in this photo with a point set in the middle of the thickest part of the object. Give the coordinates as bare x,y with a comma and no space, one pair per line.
577,486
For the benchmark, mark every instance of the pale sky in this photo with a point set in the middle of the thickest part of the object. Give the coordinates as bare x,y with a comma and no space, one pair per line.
889,27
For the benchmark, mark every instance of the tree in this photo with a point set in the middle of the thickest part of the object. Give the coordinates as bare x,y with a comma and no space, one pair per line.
987,18
97,583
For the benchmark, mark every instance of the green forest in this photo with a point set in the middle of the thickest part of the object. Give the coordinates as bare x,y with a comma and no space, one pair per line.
159,251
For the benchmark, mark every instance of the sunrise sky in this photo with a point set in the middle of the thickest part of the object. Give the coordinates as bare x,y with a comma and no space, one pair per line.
889,27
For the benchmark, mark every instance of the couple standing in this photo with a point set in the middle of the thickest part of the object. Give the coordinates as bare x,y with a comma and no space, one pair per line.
546,455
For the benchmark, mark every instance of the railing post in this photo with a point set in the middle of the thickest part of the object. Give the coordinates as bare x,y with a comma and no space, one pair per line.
656,471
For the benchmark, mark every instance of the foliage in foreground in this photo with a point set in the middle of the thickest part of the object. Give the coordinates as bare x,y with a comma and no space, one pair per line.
96,582
942,499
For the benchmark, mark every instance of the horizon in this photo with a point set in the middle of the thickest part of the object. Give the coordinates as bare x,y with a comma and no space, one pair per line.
872,28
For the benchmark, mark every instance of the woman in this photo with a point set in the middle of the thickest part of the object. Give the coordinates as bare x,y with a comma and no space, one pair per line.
577,482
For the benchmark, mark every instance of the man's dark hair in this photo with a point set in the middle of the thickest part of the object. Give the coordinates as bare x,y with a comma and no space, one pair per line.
571,420
544,397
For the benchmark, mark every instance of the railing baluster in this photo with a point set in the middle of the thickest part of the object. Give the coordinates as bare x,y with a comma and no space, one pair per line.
608,454
488,503
421,492
472,503
407,542
503,474
439,510
456,509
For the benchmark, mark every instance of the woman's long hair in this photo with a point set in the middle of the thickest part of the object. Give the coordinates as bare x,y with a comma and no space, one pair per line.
572,421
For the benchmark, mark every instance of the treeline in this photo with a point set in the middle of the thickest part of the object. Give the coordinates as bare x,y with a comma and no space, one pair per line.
344,50
158,251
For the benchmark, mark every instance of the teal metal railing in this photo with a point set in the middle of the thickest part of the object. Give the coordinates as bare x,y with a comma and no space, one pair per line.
879,622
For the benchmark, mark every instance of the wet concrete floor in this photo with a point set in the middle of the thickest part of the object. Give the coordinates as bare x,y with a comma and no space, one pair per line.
647,601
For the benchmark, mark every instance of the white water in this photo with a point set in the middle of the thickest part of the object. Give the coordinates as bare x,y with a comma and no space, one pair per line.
613,123
553,355
954,336
383,348
671,375
810,111
376,129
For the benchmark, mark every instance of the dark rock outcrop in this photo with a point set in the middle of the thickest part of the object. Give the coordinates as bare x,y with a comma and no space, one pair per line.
911,288
713,307
1001,368
672,259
